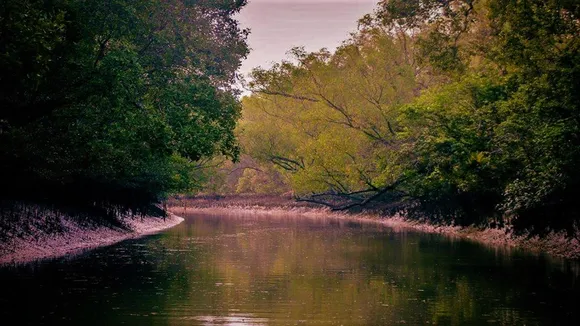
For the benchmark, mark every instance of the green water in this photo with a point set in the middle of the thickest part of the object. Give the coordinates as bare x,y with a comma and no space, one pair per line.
260,270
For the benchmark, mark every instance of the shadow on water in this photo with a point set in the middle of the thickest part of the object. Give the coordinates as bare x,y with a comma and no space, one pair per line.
278,270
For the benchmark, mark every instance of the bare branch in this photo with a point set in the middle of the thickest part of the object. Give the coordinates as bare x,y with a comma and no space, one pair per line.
357,201
296,97
286,163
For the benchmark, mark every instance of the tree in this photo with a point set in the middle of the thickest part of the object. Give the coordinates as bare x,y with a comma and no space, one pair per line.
464,110
330,121
538,44
111,104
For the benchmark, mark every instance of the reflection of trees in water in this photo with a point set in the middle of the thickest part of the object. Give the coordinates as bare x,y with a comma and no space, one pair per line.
347,271
270,269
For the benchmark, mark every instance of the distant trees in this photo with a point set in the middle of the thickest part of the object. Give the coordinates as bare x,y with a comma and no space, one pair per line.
332,118
460,111
111,105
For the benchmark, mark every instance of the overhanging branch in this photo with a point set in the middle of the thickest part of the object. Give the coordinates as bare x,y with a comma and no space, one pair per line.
353,197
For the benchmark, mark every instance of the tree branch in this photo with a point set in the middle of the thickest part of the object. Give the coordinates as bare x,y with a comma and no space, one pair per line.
296,97
359,203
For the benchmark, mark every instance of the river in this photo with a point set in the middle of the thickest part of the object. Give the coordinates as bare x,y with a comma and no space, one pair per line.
290,270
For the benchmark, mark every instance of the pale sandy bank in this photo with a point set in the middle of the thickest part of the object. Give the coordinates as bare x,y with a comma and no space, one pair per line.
74,238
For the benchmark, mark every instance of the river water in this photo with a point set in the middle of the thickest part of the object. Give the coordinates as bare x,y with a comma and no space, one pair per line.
288,270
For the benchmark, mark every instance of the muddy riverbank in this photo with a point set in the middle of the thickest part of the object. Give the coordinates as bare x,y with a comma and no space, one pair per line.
36,243
556,244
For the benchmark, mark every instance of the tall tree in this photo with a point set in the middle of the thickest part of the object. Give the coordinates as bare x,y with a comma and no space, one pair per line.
466,109
331,119
110,103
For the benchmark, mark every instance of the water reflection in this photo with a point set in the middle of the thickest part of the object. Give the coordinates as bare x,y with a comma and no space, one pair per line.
280,270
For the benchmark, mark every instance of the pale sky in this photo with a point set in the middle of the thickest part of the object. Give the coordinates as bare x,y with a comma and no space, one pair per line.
278,25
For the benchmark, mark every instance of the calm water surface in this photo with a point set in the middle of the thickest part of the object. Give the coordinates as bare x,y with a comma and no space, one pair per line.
257,270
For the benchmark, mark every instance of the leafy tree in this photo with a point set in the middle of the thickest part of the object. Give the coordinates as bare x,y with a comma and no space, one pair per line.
457,175
537,43
465,111
528,113
112,104
330,121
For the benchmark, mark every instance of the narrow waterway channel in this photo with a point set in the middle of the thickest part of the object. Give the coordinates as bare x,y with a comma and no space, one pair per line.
288,270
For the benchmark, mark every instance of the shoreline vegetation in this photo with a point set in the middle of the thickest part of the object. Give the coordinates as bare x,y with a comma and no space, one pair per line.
31,241
555,244
107,107
459,112
461,116
59,236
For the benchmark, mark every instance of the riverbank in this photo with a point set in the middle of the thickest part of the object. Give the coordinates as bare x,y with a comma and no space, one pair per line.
555,244
35,243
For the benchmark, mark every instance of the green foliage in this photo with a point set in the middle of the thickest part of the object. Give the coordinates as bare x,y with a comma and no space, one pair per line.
115,104
465,110
260,181
457,176
329,122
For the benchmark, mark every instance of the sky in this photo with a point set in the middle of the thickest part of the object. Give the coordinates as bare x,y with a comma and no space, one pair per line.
278,25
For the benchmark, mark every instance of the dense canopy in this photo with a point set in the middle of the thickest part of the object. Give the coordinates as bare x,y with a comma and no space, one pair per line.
463,111
110,105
